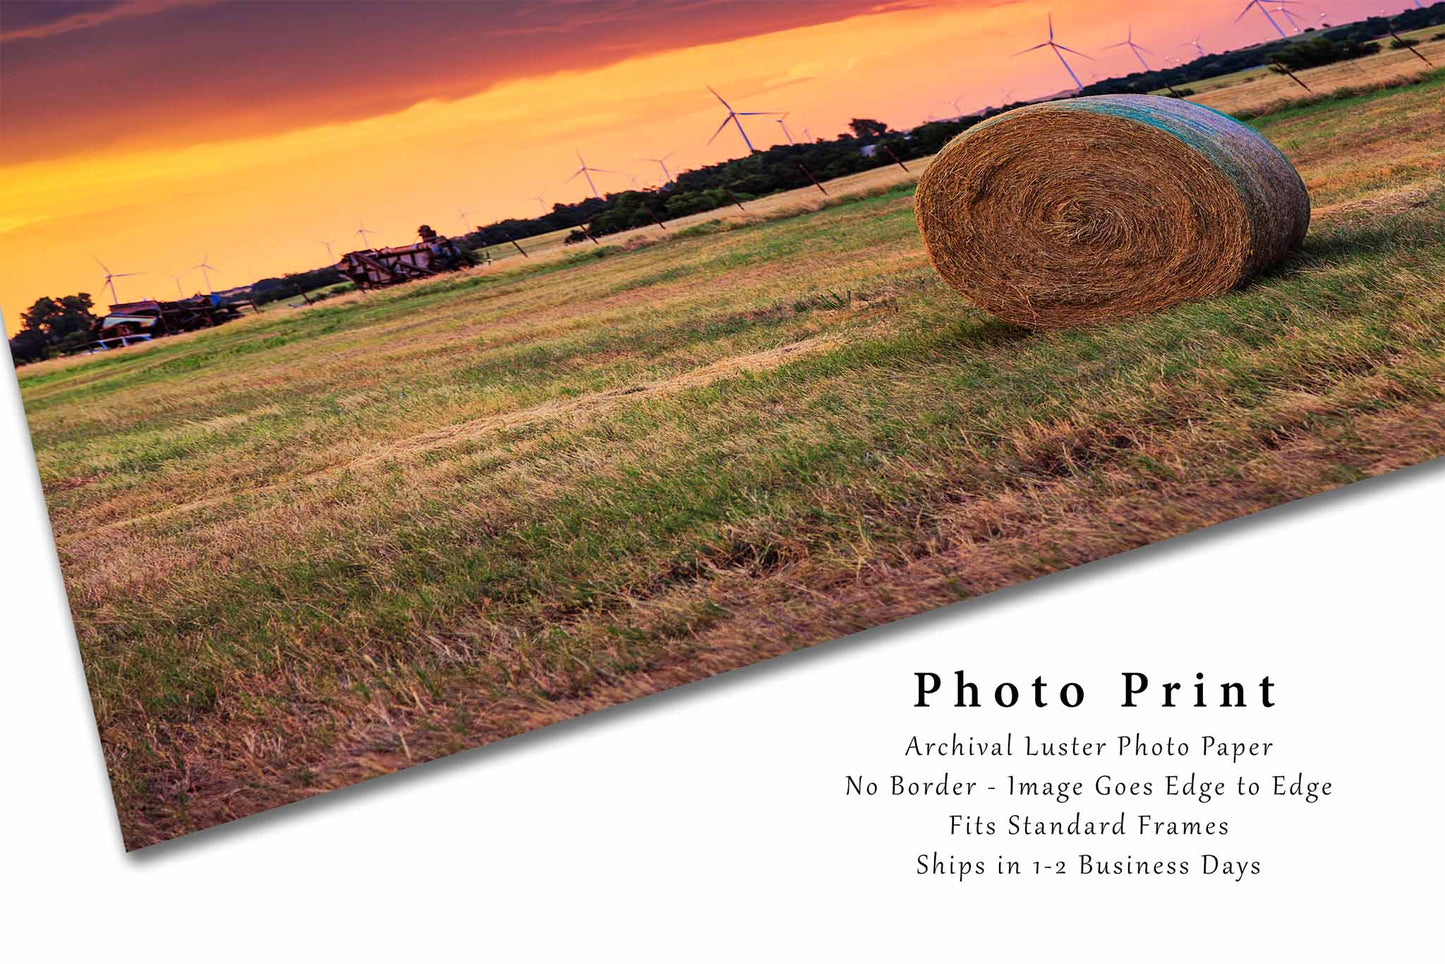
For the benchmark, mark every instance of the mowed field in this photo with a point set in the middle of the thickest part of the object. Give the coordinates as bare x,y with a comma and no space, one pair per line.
311,547
1260,89
547,247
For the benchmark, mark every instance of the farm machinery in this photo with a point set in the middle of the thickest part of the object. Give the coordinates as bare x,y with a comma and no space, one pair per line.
380,267
138,321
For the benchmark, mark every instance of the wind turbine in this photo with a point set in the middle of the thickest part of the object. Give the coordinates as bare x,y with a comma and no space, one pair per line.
363,230
662,163
110,277
1137,50
1196,44
465,223
732,118
1293,20
177,279
329,253
808,135
782,122
541,202
587,172
206,269
1264,10
1058,50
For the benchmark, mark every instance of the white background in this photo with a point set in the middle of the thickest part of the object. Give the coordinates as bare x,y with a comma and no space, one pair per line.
711,821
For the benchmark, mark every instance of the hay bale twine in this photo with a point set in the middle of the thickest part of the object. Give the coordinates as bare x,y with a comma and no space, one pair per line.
1066,213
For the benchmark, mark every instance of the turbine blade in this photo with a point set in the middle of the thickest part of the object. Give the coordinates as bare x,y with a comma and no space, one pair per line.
720,128
574,176
1247,7
1073,51
1029,50
720,98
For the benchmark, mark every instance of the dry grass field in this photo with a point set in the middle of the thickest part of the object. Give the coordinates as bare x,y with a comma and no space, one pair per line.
316,546
1256,91
546,247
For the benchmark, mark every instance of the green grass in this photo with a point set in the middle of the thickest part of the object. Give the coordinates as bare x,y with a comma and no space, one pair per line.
306,548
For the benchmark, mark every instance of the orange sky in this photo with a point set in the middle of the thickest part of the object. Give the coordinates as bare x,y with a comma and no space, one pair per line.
198,173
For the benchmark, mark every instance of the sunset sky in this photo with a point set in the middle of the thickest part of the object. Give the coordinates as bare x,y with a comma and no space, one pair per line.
151,133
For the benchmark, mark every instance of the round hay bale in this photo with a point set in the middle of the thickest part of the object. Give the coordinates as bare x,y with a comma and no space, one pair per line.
1063,214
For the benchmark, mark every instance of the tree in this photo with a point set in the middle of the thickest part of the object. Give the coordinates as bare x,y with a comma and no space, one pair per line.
54,326
1319,51
866,129
28,345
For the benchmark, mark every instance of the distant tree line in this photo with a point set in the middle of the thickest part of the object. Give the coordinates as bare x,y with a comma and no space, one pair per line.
293,285
1321,50
867,144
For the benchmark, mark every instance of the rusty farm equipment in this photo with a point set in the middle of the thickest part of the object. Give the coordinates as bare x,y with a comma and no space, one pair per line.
380,267
137,321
